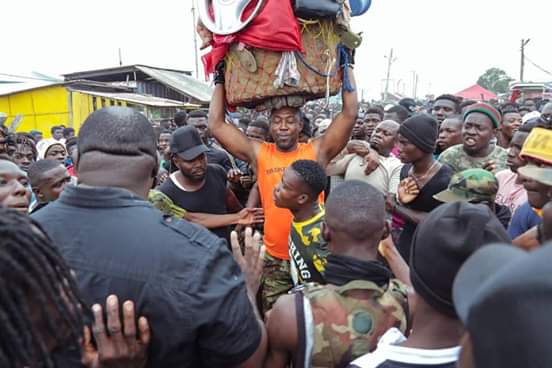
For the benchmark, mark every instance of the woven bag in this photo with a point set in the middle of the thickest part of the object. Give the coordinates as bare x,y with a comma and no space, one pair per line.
247,89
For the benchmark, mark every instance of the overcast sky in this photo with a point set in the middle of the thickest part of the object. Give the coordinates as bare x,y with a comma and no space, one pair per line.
448,43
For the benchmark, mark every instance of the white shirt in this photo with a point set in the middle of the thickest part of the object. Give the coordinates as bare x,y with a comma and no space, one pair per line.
388,350
385,177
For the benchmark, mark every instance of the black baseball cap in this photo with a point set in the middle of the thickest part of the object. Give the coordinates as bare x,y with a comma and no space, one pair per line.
186,143
503,296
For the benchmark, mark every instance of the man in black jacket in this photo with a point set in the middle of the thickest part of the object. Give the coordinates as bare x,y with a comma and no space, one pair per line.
182,278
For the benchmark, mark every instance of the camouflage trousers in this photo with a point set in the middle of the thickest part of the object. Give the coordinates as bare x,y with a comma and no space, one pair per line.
276,281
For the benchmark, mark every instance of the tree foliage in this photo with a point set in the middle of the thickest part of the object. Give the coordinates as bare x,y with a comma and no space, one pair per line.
495,80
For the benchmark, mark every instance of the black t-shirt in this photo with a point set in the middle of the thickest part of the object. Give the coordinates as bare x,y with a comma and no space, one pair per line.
424,202
211,198
503,214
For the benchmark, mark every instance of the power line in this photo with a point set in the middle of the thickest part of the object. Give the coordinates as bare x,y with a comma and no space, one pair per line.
538,66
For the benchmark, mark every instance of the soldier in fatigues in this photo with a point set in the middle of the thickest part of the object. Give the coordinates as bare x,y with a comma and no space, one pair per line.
330,325
481,122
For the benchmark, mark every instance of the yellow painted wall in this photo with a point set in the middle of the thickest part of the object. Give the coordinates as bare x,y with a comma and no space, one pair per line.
81,107
48,106
40,108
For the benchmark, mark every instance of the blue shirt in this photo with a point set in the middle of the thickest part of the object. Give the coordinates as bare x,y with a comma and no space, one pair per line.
181,277
524,218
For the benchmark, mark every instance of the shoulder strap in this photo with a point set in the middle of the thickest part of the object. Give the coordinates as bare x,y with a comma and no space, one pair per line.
299,361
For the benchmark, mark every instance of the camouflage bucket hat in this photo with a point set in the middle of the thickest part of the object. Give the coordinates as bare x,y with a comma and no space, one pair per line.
541,174
472,185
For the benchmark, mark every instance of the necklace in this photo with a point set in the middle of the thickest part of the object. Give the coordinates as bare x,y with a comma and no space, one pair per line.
421,179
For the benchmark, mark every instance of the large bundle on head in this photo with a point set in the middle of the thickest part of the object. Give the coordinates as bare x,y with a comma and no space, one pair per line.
279,52
317,68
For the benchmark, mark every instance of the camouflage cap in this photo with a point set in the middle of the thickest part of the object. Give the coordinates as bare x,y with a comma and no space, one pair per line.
472,185
541,174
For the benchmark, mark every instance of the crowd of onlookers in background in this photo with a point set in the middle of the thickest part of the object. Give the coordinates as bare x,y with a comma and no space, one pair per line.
404,235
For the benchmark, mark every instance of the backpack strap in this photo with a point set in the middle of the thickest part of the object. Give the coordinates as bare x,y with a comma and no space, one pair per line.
299,361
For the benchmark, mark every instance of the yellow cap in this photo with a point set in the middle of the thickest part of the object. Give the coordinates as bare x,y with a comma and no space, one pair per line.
538,145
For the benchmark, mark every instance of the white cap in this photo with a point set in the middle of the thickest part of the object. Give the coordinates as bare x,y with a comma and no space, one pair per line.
529,116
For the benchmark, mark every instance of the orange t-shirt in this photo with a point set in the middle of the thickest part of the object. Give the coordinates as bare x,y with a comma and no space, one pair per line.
271,164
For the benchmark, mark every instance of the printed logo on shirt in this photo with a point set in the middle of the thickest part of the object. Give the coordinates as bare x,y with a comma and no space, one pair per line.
313,235
302,266
275,170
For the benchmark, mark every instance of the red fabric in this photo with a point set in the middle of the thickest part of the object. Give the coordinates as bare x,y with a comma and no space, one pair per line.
476,92
71,170
274,28
516,93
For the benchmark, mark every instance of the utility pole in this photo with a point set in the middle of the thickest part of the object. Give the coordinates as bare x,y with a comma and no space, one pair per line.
390,61
195,39
398,88
414,84
524,42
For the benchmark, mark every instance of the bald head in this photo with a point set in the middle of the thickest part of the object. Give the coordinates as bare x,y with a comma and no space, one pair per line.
119,131
389,124
355,210
384,137
117,148
38,170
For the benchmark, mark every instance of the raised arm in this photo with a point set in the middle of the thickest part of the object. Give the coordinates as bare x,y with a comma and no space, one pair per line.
229,136
336,137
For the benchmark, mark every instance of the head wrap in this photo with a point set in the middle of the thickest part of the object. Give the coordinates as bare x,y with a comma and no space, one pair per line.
44,145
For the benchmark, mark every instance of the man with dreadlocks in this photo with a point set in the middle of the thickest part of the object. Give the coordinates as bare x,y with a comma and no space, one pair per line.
41,312
3,139
21,148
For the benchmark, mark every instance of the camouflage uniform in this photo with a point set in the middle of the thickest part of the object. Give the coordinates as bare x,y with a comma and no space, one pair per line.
164,204
339,324
472,185
458,159
276,280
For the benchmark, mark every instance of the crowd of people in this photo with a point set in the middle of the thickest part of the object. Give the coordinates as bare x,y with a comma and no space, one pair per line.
347,236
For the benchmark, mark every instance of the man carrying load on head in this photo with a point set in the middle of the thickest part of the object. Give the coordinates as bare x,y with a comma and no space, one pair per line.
270,160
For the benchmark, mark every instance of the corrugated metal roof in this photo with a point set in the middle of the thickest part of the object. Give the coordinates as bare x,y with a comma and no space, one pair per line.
180,82
8,88
137,99
11,83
